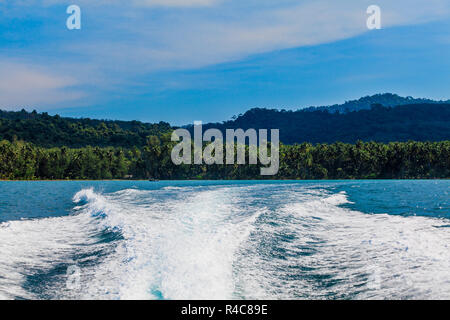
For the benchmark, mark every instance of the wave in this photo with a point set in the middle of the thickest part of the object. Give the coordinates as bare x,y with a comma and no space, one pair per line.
36,246
226,242
184,249
322,250
173,188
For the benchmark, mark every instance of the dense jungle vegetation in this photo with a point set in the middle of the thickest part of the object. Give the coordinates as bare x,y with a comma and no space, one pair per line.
417,122
409,141
22,160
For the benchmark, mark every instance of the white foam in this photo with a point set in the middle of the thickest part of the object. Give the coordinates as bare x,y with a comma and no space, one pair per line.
30,245
183,250
221,243
409,255
172,188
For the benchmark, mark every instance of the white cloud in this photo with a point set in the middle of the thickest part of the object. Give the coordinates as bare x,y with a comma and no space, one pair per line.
24,85
234,30
126,39
175,3
126,3
217,31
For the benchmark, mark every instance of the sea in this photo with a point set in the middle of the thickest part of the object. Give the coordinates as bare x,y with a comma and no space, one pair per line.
353,239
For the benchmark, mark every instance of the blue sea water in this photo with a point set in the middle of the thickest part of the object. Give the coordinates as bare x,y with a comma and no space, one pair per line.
225,239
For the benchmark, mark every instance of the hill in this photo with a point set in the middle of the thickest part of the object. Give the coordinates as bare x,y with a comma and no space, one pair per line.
385,99
40,146
54,131
418,122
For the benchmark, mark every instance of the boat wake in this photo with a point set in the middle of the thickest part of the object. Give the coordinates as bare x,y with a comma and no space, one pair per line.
223,242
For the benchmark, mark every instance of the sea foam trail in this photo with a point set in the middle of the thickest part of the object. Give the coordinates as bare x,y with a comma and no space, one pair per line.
40,245
224,242
325,251
182,250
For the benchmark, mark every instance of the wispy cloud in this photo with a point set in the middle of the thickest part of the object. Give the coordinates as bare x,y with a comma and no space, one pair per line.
23,85
124,35
123,40
145,3
231,31
175,3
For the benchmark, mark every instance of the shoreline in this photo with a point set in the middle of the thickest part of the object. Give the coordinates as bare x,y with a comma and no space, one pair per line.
105,180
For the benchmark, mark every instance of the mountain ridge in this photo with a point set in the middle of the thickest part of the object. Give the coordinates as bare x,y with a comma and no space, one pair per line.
426,121
365,103
418,122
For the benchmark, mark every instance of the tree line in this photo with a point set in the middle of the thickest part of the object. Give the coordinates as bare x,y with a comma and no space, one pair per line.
417,122
49,131
362,160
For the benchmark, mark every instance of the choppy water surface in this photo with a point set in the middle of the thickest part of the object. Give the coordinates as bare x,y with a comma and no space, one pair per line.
225,240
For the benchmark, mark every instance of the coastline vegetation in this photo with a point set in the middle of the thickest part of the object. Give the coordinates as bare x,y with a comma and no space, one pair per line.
21,160
418,122
38,146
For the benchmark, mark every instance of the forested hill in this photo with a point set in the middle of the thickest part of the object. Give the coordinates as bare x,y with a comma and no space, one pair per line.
385,99
54,131
418,122
96,149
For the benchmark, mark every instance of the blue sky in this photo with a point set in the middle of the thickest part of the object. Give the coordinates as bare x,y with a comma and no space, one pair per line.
186,60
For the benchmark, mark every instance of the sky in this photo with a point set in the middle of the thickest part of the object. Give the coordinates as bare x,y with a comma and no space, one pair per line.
186,60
